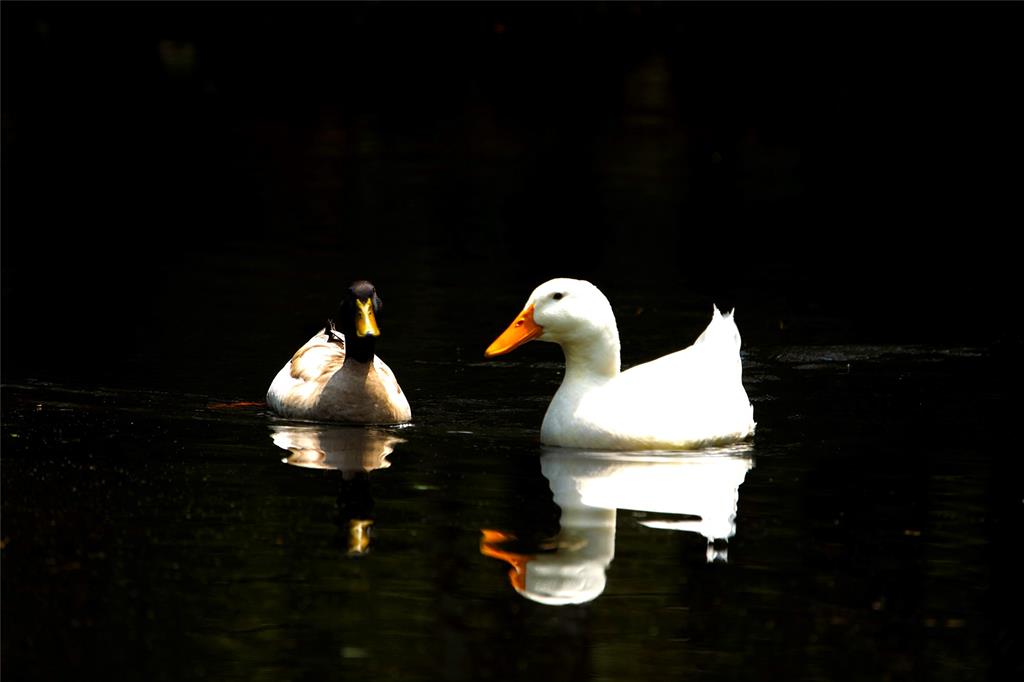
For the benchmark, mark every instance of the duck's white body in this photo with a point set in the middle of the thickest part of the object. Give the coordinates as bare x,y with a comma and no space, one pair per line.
690,398
318,384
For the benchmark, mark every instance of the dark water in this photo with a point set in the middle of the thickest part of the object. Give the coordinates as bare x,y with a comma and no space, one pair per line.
186,194
865,533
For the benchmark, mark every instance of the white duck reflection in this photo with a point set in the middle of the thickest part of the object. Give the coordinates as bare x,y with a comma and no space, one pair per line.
354,451
696,492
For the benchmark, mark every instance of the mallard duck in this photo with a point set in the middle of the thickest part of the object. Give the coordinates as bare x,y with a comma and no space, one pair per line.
335,376
691,398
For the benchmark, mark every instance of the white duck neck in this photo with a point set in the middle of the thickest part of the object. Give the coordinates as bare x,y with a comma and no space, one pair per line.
596,355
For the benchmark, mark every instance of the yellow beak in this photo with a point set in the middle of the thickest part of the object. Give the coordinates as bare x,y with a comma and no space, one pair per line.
522,329
366,323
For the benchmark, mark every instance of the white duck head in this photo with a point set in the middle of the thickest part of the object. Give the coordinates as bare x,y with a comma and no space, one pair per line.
572,313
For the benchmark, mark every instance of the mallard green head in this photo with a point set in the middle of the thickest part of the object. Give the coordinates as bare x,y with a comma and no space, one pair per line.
358,318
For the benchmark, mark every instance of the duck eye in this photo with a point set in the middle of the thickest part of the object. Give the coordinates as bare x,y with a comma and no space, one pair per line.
557,297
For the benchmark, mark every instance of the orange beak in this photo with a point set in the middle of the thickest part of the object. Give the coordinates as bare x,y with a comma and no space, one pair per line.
523,329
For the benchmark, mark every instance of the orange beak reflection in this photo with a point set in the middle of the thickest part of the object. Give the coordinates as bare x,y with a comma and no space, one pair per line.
523,329
490,545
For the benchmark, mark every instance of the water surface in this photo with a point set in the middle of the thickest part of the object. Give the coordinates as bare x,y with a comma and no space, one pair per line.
862,534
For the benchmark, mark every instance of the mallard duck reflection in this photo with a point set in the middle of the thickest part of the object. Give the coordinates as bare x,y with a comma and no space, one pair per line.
349,449
696,492
355,452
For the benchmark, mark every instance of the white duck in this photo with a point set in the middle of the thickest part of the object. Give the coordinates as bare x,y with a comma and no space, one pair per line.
691,398
336,376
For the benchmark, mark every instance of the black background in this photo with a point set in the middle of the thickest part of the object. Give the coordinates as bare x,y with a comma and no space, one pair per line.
850,162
